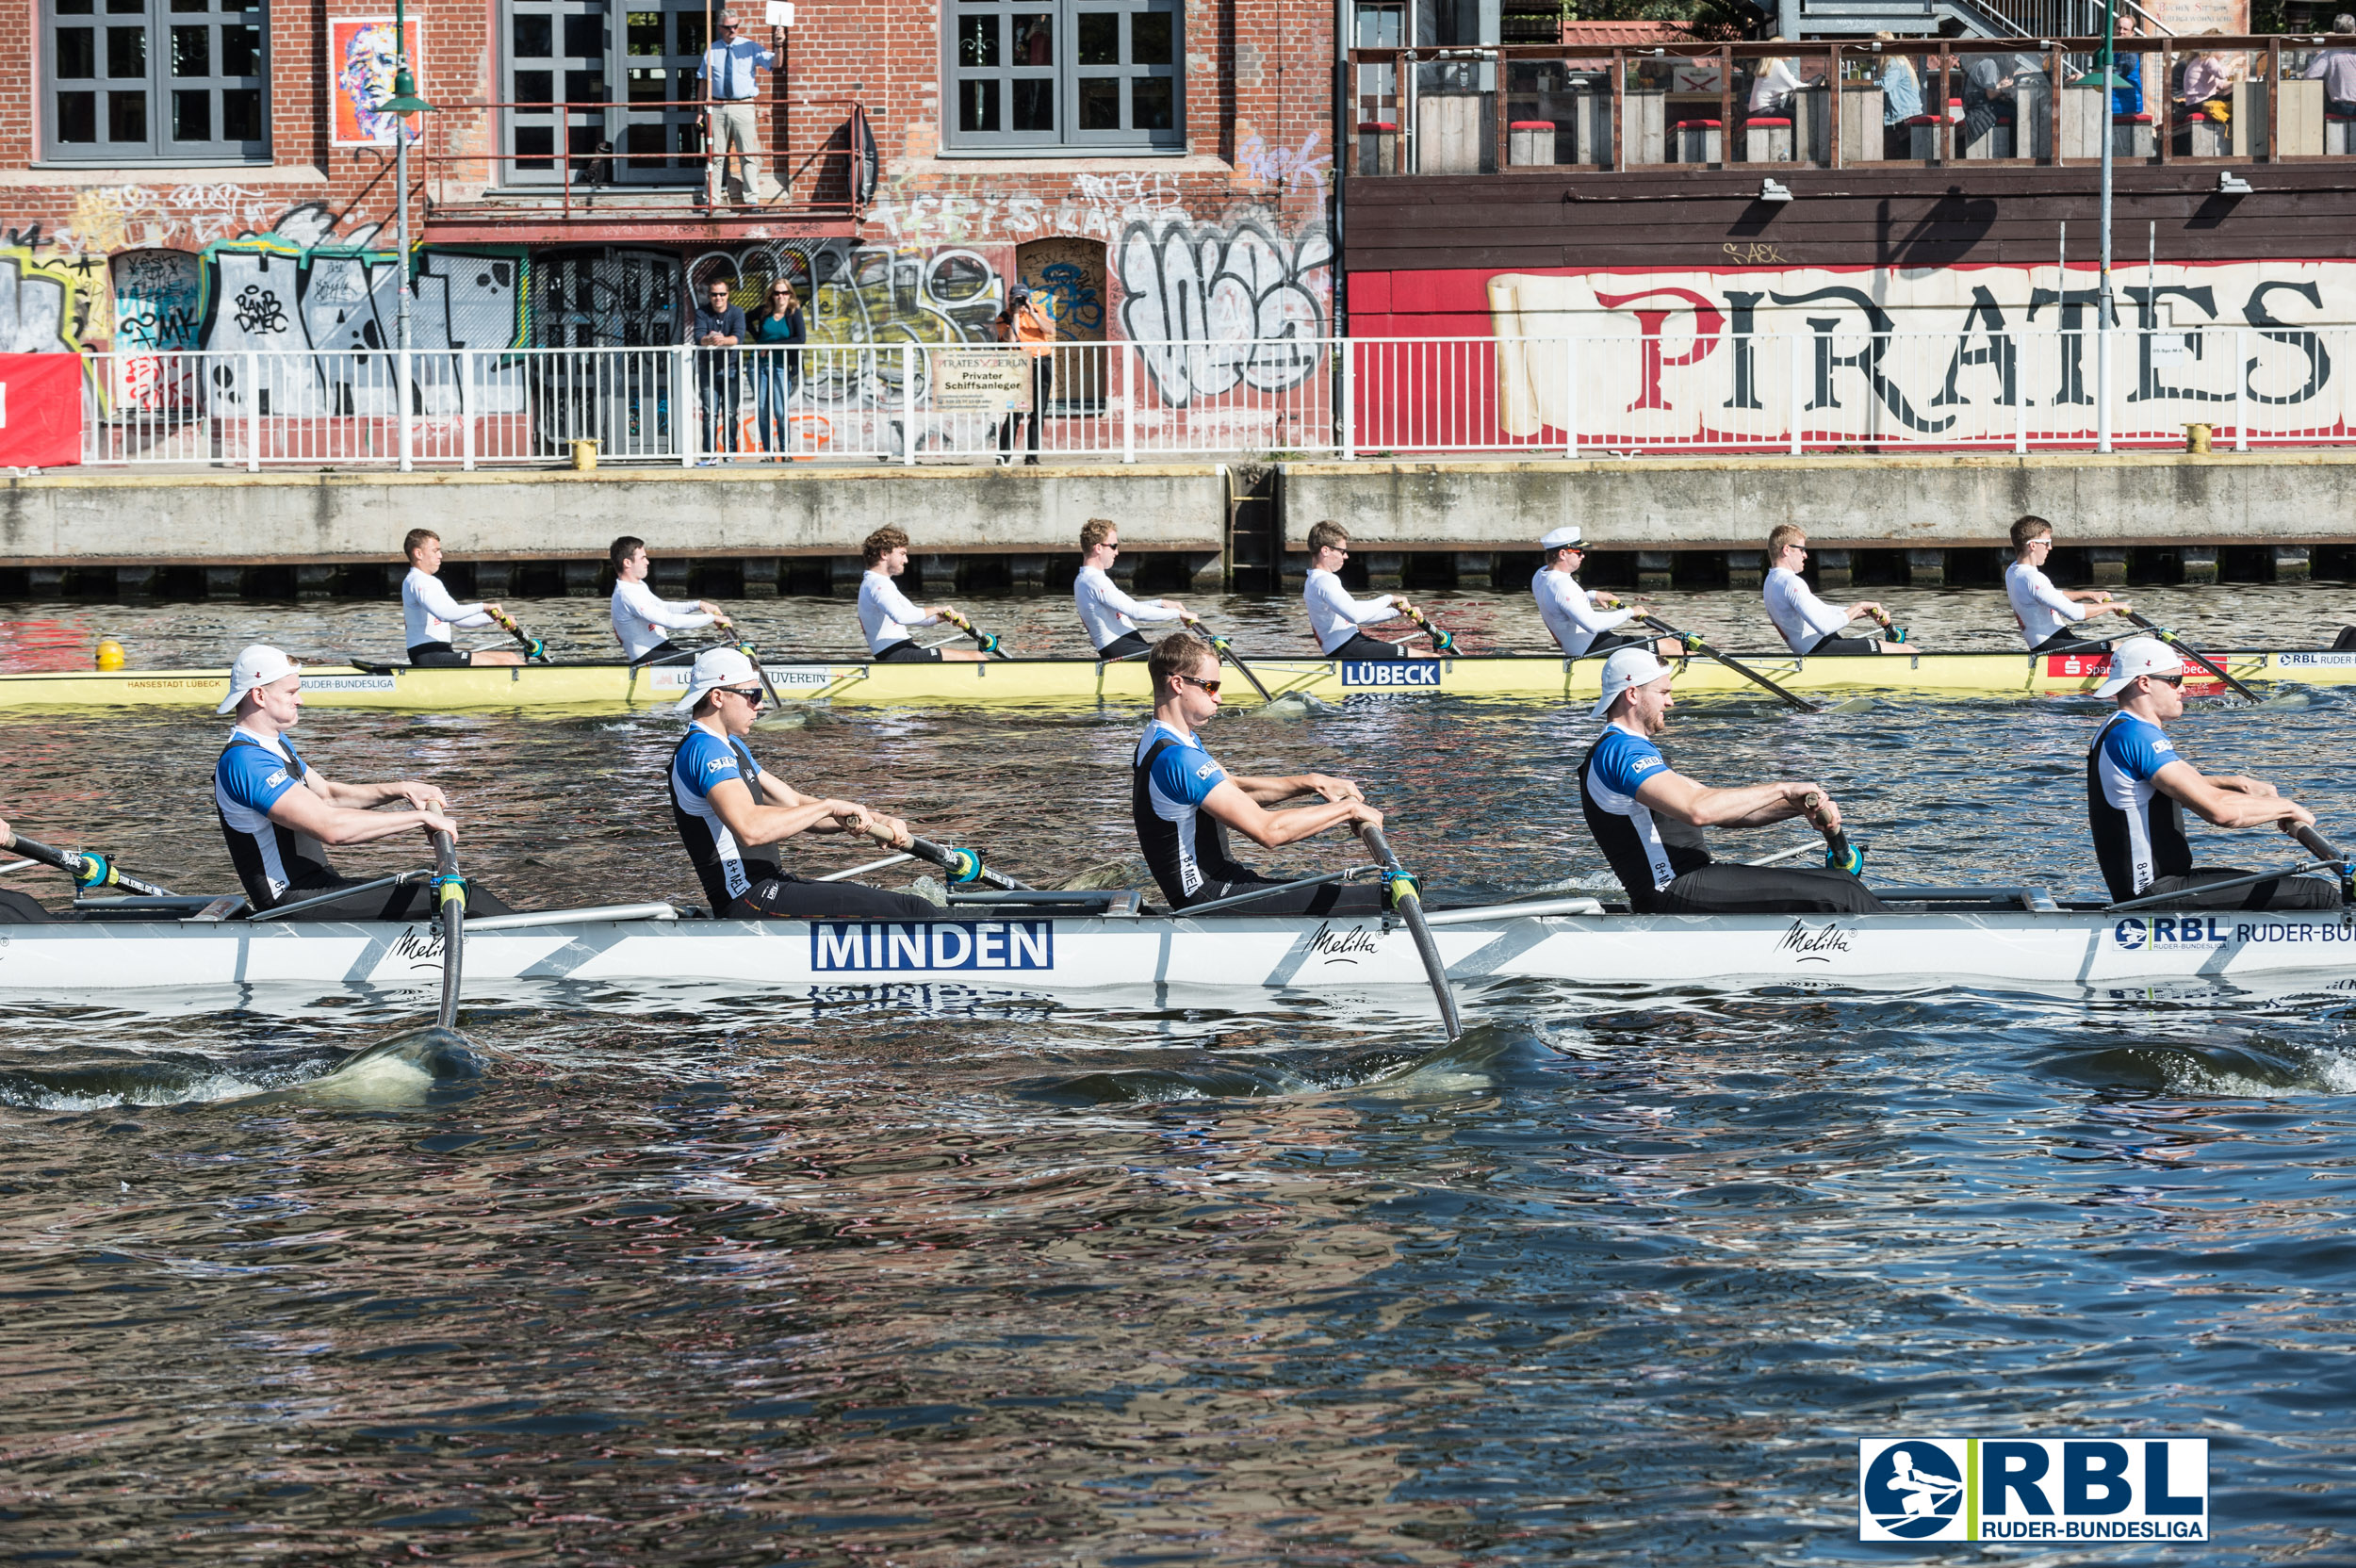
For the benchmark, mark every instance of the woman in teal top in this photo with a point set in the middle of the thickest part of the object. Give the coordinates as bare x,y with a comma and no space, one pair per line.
775,335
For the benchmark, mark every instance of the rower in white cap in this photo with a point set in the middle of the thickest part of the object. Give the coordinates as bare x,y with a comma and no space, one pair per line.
1648,817
1583,622
725,807
2135,785
279,814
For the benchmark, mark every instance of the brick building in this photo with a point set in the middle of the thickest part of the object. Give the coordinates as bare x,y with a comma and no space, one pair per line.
207,174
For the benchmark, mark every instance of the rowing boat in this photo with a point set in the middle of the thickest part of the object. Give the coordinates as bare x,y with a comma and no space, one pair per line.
1085,680
1994,938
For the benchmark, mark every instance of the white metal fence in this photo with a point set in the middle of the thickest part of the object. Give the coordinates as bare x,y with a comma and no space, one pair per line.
1824,387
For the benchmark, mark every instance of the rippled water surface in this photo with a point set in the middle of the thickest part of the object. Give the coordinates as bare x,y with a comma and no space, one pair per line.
930,1275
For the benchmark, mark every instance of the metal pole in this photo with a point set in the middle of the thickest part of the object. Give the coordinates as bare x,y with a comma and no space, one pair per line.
2106,313
466,408
1350,399
1129,381
252,411
908,403
1570,396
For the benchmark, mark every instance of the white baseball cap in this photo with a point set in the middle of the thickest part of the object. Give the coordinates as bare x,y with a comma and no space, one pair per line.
1626,668
2139,655
1562,538
258,665
717,667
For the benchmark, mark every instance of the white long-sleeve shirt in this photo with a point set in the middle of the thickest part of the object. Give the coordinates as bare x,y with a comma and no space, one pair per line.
643,621
1334,616
1107,612
1571,612
1804,619
2040,608
886,614
430,612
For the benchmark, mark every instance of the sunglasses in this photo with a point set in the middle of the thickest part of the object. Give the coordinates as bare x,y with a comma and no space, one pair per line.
751,695
1210,686
2166,680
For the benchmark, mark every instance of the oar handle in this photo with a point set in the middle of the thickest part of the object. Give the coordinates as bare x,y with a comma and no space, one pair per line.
1442,641
961,865
1840,854
2317,845
534,648
87,868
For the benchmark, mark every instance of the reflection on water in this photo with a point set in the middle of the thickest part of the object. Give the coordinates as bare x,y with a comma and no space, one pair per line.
932,1274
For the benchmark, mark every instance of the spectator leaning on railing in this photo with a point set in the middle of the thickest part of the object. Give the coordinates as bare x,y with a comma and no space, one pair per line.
776,332
716,328
730,66
2336,70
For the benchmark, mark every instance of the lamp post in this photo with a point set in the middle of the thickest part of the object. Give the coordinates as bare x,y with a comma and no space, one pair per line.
2105,310
404,103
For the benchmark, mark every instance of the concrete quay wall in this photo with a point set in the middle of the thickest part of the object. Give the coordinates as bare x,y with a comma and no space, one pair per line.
1696,520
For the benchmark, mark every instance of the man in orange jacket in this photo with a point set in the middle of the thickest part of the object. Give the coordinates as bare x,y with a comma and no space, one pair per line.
1024,324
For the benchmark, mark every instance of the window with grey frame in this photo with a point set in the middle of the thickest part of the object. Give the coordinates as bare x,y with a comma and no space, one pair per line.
155,81
1039,73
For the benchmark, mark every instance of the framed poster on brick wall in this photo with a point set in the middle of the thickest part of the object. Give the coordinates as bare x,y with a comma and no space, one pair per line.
361,65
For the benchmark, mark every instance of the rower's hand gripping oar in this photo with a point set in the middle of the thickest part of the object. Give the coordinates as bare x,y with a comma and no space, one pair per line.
1399,891
450,907
986,641
1840,854
2194,653
1695,645
2329,854
961,866
1226,649
1443,640
535,648
89,870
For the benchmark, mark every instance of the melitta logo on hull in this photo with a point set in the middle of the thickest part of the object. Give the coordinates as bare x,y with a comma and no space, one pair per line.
2078,1490
839,946
1393,675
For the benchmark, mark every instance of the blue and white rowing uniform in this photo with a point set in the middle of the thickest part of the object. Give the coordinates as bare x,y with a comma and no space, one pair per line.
1646,852
1805,621
1572,614
2041,609
702,760
253,773
430,615
1185,847
886,615
1111,617
2139,828
1335,617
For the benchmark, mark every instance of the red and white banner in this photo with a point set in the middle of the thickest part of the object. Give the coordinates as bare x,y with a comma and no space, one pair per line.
40,411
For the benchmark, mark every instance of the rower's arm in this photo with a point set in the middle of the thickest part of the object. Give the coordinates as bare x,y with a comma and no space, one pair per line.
1270,791
362,797
751,822
2224,801
1233,804
1672,795
310,812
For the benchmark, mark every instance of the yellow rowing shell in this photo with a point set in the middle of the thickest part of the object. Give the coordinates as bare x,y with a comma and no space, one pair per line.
1084,680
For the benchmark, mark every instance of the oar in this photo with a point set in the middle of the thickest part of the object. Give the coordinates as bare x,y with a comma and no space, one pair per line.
1227,650
449,902
1840,854
2192,653
1442,642
1400,887
87,870
745,646
986,641
1697,645
2330,855
534,648
962,865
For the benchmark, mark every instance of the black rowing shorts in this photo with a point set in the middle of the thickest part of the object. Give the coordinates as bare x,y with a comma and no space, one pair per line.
1362,647
907,651
437,656
798,898
1837,643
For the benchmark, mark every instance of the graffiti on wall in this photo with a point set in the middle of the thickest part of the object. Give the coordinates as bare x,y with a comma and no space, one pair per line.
1098,206
49,304
1216,308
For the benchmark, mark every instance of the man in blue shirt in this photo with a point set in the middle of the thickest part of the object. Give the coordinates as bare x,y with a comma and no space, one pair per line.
716,327
726,806
1182,802
2136,786
278,814
728,67
1648,817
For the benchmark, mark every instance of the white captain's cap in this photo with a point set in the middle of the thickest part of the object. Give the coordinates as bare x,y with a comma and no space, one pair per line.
2139,655
258,665
1628,667
717,667
1562,538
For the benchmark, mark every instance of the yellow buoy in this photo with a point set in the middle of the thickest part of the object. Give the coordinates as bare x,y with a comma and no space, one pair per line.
110,654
